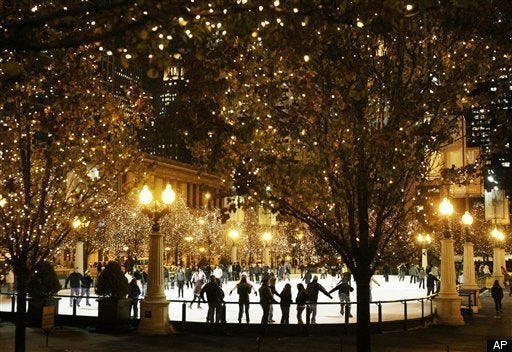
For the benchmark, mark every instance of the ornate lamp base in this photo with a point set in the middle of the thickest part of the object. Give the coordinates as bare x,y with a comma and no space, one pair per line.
154,318
448,310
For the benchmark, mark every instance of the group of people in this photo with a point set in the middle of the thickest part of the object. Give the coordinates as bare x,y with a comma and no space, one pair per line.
80,286
307,296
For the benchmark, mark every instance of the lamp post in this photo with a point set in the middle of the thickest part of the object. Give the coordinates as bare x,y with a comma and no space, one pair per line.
79,246
233,234
189,240
266,237
154,318
468,269
448,299
424,240
498,255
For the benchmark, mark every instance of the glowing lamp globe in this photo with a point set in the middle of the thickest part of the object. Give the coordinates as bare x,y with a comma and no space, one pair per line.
446,208
145,196
467,219
168,195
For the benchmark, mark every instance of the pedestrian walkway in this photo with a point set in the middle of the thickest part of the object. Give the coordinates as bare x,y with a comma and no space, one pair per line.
471,337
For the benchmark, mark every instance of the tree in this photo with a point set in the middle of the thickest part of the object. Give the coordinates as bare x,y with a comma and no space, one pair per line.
336,127
65,142
210,233
177,225
123,225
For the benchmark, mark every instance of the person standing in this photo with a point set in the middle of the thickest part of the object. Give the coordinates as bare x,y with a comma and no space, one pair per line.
312,290
180,281
402,269
413,272
86,283
307,277
74,283
134,294
214,297
301,301
386,271
421,277
431,283
497,296
188,277
272,285
344,290
198,275
198,285
9,280
285,303
266,299
166,278
243,288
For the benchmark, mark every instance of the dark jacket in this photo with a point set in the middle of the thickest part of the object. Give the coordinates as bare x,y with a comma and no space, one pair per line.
343,287
214,293
312,290
134,289
302,298
266,296
243,290
73,280
497,293
286,299
86,281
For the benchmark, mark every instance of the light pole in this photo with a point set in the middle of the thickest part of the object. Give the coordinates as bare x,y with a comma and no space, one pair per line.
79,246
468,269
266,237
154,317
448,299
424,240
498,259
189,257
233,234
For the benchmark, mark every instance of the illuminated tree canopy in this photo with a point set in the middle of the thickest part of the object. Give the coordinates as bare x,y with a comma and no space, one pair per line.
65,142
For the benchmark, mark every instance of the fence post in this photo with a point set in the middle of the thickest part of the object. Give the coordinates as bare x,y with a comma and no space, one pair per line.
308,316
74,306
379,310
347,316
13,302
405,315
184,312
422,312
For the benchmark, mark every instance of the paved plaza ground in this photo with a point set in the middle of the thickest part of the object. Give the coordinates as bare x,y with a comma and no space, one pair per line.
470,337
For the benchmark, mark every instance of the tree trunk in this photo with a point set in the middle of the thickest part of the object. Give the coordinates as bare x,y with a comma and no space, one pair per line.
21,312
363,313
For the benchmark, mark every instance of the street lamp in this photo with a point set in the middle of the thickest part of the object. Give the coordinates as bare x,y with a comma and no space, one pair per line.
188,239
448,299
79,246
155,308
266,237
468,269
424,240
498,255
233,234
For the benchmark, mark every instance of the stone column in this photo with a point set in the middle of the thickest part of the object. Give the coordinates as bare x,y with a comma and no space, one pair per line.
424,257
468,275
233,253
448,300
498,261
154,309
266,255
79,257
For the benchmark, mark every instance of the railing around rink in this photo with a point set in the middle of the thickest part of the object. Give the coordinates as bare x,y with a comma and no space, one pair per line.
386,311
